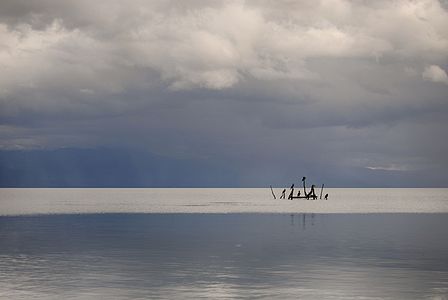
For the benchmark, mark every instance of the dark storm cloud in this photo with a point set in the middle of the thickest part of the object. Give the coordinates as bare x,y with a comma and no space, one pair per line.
275,88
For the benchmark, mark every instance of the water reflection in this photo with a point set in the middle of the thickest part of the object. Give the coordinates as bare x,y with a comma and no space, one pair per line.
303,219
306,256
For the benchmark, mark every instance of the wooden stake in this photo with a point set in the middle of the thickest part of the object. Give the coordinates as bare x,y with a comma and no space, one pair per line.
321,190
272,191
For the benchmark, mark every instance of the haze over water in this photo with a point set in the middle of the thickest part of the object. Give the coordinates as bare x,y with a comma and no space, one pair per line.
51,201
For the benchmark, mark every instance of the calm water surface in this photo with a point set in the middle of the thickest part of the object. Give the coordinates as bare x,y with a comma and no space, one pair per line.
242,200
192,256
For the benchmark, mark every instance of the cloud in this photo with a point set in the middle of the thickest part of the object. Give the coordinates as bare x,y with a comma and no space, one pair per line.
228,80
207,46
435,73
388,168
53,52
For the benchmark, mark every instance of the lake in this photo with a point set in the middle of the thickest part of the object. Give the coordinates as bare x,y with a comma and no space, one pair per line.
222,244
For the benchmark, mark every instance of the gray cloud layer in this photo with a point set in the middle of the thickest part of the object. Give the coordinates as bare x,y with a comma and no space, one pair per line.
267,86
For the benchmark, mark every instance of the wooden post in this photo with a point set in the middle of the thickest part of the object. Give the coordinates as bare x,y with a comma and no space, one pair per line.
272,191
304,186
321,190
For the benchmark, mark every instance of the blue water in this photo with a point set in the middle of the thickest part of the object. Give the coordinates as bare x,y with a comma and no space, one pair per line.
191,256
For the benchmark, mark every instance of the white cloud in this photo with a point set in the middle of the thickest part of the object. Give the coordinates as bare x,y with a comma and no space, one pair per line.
210,46
305,64
388,168
435,73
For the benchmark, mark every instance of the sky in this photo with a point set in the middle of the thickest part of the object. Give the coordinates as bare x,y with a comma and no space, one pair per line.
223,93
